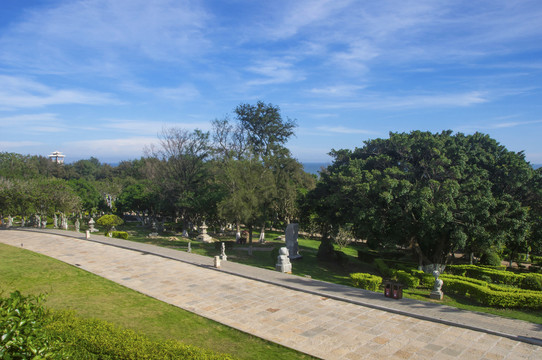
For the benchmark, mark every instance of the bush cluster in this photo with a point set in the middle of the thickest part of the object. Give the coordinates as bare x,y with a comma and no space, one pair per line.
426,280
491,294
366,281
490,258
29,331
532,282
477,272
383,268
408,280
97,339
120,235
22,334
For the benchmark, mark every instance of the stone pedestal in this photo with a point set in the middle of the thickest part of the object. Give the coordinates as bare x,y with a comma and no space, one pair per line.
283,261
217,261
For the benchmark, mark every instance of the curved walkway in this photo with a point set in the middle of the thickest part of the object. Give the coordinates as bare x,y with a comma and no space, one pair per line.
325,320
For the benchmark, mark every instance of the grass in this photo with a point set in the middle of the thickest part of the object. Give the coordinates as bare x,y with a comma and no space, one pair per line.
91,296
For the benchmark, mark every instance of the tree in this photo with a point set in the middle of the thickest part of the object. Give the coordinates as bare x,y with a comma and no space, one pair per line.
266,131
109,222
432,193
181,171
247,185
90,197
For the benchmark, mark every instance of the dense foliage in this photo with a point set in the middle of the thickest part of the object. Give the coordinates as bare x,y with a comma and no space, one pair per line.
431,193
29,331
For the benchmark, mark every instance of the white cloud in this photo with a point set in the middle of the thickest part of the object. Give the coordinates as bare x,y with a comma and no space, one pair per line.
17,92
343,130
274,71
94,35
382,101
120,148
9,145
146,127
338,90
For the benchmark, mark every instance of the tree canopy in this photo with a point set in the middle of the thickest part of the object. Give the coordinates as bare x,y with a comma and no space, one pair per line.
432,193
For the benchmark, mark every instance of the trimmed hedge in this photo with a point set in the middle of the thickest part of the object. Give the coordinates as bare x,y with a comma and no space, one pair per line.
120,235
477,272
97,339
426,280
366,281
532,282
490,294
409,281
383,268
29,331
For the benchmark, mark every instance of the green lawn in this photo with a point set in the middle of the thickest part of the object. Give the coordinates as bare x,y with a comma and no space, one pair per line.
91,296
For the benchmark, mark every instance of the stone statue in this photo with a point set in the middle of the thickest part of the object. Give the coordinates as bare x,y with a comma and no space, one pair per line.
291,241
77,225
55,222
437,292
223,256
283,261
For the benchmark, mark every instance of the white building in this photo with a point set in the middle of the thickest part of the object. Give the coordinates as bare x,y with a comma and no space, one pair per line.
57,157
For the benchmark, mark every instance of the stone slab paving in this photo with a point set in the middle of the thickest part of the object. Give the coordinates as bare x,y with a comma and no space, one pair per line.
309,321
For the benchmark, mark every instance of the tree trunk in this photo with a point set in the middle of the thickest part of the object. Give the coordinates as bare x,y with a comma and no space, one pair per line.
262,235
250,240
471,258
421,257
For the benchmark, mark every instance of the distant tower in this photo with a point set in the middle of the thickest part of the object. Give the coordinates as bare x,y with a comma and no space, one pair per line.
57,157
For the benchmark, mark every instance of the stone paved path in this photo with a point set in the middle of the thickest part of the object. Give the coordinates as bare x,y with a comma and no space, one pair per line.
314,323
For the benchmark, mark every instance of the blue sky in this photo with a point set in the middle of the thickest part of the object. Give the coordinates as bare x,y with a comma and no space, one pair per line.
102,78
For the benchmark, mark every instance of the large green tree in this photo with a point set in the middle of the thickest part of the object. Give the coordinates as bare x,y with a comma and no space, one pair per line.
432,193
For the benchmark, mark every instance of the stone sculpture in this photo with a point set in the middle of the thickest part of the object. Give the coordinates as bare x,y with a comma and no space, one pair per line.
283,261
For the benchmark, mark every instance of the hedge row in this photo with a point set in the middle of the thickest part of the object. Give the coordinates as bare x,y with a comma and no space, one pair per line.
366,281
120,235
29,331
426,280
481,273
408,280
383,268
98,339
531,281
490,294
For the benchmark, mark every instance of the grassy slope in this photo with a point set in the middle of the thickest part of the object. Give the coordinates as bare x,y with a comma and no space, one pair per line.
91,296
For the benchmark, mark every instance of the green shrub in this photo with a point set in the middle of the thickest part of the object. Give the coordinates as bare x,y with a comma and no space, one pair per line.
97,339
109,222
22,320
490,294
536,260
383,268
490,258
477,272
120,235
366,281
426,280
532,282
409,281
